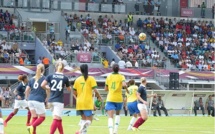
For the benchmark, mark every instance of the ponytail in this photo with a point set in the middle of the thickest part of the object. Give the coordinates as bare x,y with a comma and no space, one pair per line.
115,68
39,72
22,77
59,66
84,71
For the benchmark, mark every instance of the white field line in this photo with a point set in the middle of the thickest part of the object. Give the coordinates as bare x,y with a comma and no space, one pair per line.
122,127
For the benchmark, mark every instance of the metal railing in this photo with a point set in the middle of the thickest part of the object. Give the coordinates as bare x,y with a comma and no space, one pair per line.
128,6
17,36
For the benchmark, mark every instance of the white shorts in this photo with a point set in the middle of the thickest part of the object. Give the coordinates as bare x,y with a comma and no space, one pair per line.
57,108
20,104
142,107
39,107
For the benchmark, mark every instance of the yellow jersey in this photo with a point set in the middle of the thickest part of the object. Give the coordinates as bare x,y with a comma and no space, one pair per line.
131,97
114,84
84,91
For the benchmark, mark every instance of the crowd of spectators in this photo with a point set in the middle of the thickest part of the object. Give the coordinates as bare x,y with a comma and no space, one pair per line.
10,53
6,21
108,30
189,44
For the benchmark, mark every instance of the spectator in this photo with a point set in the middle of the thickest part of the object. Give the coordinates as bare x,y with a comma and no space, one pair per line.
130,20
210,105
121,64
128,64
105,63
39,60
52,31
203,7
21,61
213,11
161,106
112,63
154,106
198,105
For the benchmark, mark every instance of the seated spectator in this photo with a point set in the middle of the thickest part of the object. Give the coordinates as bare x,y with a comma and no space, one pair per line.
198,105
161,106
210,105
128,64
121,64
154,106
112,63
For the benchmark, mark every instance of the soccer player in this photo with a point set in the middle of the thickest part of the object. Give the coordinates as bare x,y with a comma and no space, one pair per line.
20,101
83,88
114,84
142,102
132,102
36,99
97,106
57,82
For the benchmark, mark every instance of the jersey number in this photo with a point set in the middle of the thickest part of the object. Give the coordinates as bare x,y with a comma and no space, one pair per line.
113,85
82,83
36,85
56,85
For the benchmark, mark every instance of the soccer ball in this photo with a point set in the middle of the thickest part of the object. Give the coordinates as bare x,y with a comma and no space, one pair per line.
142,36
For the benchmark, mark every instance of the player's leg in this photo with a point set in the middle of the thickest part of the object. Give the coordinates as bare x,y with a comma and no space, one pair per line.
110,108
87,116
144,116
132,112
38,115
57,120
94,114
28,117
117,117
16,109
1,123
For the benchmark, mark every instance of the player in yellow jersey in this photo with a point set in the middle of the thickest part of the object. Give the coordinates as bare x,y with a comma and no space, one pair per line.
84,87
132,103
114,84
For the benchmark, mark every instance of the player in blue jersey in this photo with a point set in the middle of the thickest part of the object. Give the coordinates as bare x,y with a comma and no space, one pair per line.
57,82
142,102
20,101
36,96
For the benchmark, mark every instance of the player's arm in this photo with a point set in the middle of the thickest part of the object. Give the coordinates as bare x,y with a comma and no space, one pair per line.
68,87
140,99
75,86
151,95
27,92
44,85
97,94
126,89
15,91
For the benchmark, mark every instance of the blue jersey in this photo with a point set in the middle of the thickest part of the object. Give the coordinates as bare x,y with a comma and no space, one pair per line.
21,90
143,94
57,82
37,92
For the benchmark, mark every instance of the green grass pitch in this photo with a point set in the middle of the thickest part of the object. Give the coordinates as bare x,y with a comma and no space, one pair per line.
154,125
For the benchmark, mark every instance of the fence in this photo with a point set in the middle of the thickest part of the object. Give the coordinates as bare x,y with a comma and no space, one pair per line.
168,8
17,36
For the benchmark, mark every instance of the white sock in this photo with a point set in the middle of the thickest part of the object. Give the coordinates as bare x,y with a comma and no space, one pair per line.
133,119
110,125
85,124
80,122
117,121
1,126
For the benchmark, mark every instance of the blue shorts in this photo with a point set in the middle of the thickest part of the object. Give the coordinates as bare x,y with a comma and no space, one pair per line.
85,112
132,107
113,106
